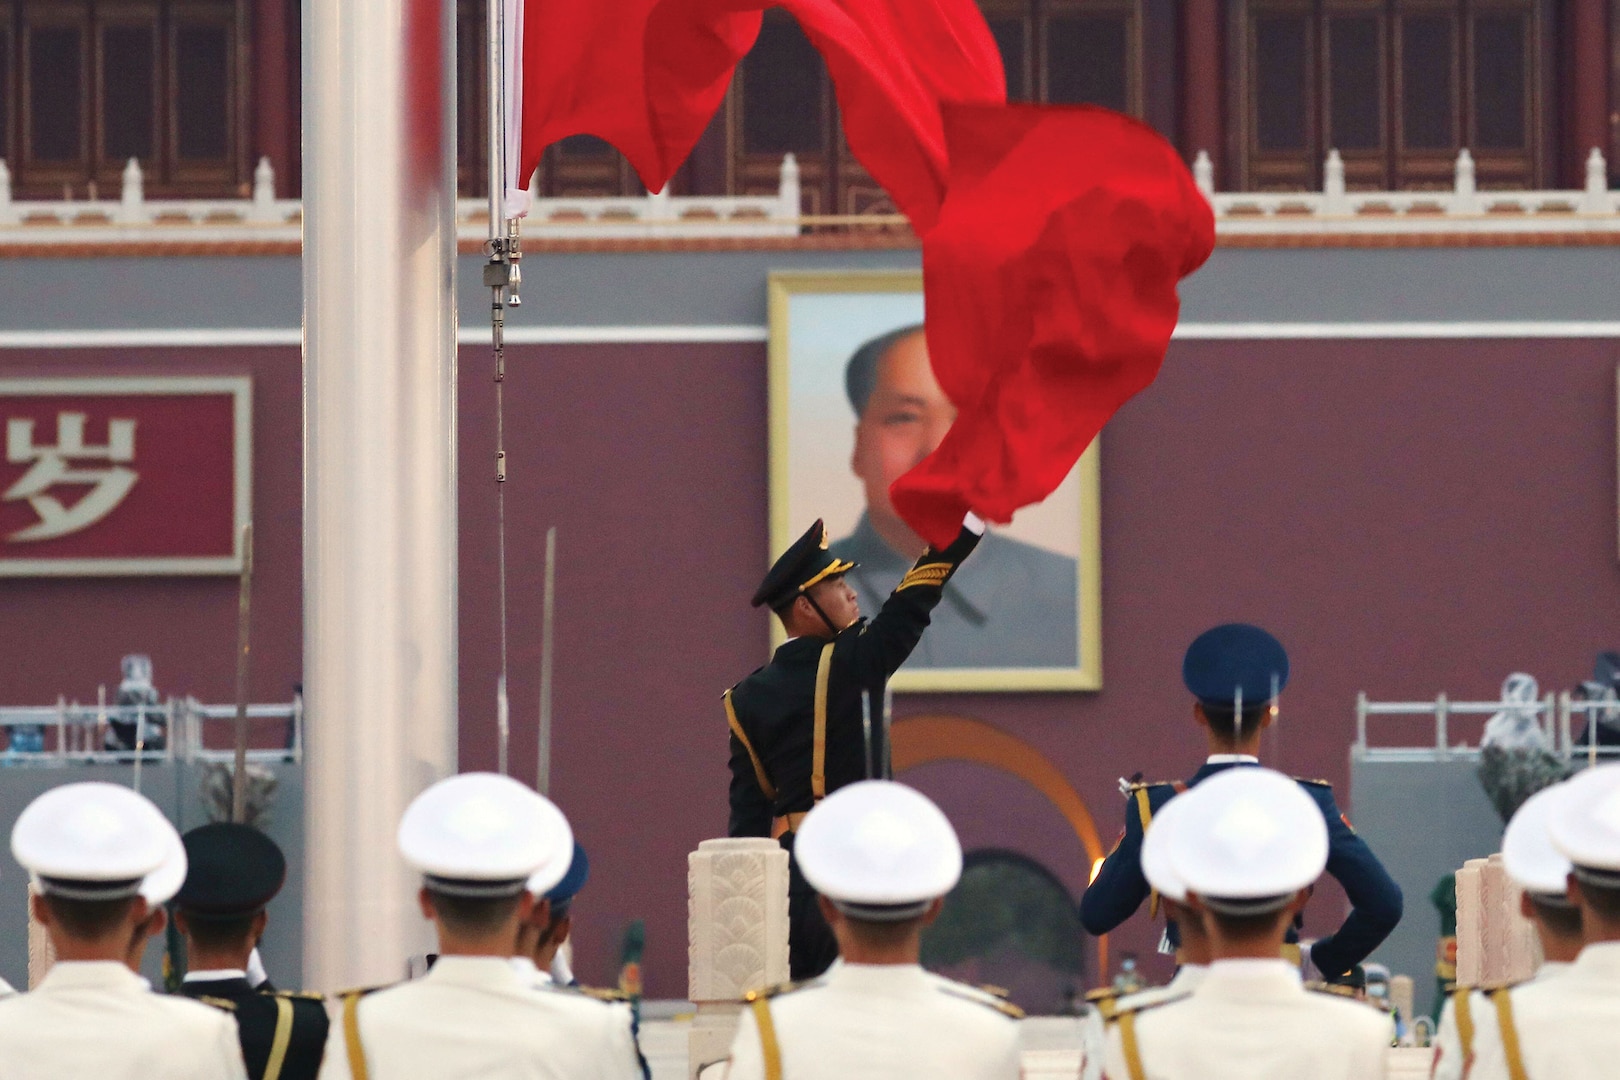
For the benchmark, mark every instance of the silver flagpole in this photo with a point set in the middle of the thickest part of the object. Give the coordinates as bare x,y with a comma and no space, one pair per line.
542,782
379,467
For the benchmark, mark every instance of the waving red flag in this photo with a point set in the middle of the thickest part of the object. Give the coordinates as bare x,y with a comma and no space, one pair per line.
1050,285
647,76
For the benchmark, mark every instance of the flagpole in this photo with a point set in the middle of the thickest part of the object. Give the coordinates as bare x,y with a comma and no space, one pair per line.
380,535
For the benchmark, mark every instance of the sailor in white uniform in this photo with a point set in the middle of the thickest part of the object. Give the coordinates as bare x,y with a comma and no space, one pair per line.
1192,951
1568,1026
104,860
486,845
1247,846
882,857
1542,872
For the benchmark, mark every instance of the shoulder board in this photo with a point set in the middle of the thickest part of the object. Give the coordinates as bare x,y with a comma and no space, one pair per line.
776,991
218,1002
1334,989
989,1001
361,991
1313,782
598,993
1102,993
1128,789
299,995
996,991
1121,1007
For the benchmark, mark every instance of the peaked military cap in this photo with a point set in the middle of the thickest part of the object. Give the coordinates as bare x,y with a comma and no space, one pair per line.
95,841
806,562
579,872
1247,840
1235,661
235,870
1528,854
1586,826
480,835
879,850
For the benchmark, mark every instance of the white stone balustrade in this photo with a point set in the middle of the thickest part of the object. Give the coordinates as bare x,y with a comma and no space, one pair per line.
1463,208
1496,944
737,935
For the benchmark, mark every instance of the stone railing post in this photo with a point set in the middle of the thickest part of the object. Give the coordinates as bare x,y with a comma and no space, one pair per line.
1496,944
737,935
1466,196
1595,197
1203,171
264,191
133,194
1334,199
788,195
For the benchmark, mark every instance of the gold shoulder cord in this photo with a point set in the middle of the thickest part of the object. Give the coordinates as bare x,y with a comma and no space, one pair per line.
278,1045
1144,813
1128,1044
765,784
1465,1024
769,1051
1510,1034
818,763
351,1037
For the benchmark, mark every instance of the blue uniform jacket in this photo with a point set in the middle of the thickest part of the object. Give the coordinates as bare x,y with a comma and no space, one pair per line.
1375,899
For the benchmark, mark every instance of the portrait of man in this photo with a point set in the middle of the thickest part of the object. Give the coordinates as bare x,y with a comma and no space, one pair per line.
1011,605
855,405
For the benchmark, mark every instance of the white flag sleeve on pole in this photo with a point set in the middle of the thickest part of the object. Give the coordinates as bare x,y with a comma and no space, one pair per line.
517,190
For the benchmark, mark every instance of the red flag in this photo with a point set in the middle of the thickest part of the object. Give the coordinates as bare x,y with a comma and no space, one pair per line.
647,75
1050,286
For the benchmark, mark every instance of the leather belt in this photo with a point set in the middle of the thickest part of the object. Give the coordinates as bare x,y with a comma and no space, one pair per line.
785,824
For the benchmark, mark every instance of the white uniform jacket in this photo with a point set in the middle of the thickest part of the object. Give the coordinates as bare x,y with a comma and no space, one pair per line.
1254,1020
888,1021
1449,1053
97,1019
1568,1026
477,1017
1093,1027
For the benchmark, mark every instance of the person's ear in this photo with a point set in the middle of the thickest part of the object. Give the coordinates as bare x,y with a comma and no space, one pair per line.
1572,887
1526,908
539,913
829,912
1199,716
41,910
260,921
527,907
1297,904
857,455
156,921
425,902
933,911
1268,718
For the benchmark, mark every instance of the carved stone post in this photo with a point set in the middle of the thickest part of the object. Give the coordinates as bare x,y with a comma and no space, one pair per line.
737,935
1470,929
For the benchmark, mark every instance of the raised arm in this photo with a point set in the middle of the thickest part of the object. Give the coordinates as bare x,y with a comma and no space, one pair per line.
877,649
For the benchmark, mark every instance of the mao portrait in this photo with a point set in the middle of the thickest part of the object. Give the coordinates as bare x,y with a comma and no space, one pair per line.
854,406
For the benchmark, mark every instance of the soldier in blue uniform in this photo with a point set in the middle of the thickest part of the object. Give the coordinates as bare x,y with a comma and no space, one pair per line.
1235,672
799,728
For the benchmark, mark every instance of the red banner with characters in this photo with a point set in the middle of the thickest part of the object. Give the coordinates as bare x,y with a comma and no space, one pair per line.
147,475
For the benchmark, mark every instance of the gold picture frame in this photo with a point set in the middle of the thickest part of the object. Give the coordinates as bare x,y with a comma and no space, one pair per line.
812,463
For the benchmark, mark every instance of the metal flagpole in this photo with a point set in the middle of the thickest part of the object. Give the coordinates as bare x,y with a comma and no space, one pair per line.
243,601
380,663
542,781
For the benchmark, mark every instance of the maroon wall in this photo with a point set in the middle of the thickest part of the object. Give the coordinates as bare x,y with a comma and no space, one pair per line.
1408,516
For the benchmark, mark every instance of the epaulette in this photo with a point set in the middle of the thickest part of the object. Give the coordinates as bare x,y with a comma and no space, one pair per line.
299,995
598,993
1313,782
1102,993
218,1002
1316,986
1122,1007
1127,789
986,998
361,991
776,991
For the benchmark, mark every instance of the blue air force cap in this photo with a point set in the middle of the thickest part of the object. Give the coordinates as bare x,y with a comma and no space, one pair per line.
1232,662
579,872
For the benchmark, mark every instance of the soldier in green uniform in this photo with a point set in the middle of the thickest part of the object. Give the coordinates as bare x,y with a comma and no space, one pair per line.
233,873
799,726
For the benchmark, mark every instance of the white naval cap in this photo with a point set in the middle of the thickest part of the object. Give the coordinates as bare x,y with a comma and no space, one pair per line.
1156,852
98,841
1247,840
1586,826
879,850
161,885
484,835
1528,854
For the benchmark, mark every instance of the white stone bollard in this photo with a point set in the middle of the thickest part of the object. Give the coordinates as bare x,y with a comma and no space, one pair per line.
1496,944
737,935
1469,923
133,194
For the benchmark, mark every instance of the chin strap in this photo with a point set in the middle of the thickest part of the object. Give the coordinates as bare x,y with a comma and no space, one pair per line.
823,614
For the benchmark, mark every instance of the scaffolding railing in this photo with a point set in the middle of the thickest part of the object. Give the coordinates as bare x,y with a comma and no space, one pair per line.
1556,715
70,733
